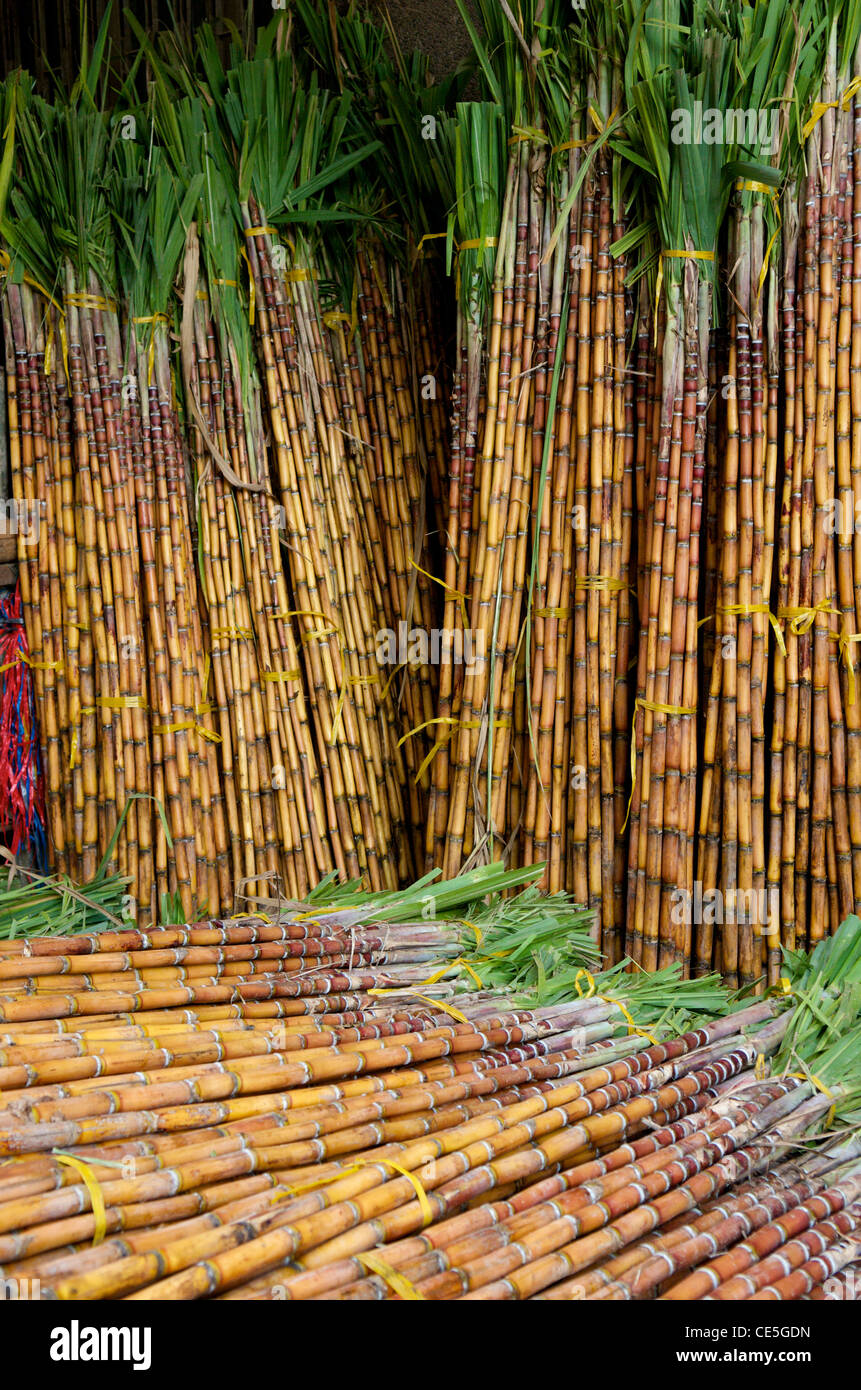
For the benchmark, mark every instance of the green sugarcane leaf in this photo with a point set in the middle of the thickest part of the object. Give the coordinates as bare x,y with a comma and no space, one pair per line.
112,843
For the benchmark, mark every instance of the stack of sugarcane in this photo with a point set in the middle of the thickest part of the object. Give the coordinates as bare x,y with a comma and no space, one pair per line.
815,827
72,460
529,762
742,507
339,405
725,133
230,532
315,592
789,333
685,181
527,926
513,1153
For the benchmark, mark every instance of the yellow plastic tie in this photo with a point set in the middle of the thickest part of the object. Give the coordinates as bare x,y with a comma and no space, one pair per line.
336,316
681,711
427,1209
388,683
91,301
680,256
573,144
553,613
801,620
590,978
296,1189
689,255
91,1183
260,231
428,236
151,319
442,1005
281,675
753,186
396,1281
605,582
452,593
121,702
820,1086
231,632
504,723
818,109
743,609
465,965
299,274
760,1069
440,974
301,613
847,640
189,724
632,1027
22,659
479,934
436,977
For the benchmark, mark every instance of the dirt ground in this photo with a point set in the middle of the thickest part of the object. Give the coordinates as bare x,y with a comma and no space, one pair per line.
435,27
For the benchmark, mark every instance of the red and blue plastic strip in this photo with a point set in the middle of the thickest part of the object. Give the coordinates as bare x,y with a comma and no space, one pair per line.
22,784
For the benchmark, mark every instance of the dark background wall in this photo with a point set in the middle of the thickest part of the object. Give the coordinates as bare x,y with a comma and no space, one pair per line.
44,36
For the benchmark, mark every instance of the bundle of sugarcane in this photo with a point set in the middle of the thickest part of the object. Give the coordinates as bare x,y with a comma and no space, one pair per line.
634,1220
368,1161
814,835
335,1213
508,1068
685,181
183,768
88,641
270,767
116,632
326,416
738,606
473,1097
554,1243
323,941
281,644
397,401
600,323
526,764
